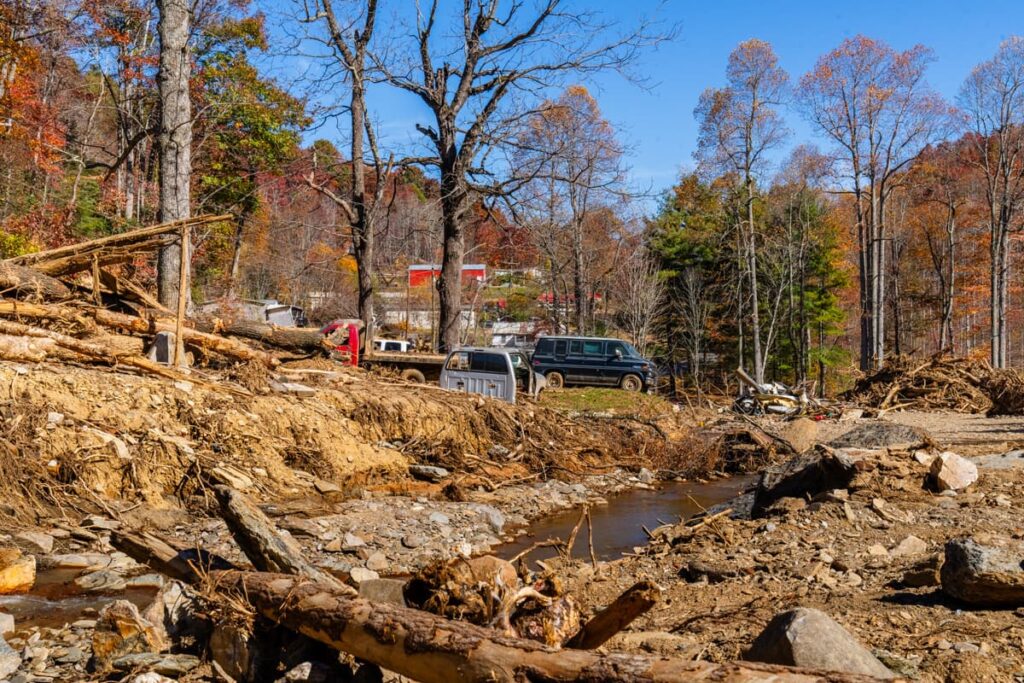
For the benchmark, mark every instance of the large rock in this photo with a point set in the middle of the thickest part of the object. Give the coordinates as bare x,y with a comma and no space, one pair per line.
35,542
985,571
809,638
120,631
805,475
882,434
950,472
801,434
175,616
10,660
17,571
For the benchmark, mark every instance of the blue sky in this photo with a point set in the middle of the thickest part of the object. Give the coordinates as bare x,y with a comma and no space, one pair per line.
657,123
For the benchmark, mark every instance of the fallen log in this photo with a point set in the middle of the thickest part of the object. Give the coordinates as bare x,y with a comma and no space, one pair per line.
136,325
184,564
99,257
431,649
637,600
97,352
293,338
118,240
25,349
24,280
266,548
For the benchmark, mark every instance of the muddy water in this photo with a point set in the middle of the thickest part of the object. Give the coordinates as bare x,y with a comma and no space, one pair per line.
619,525
55,601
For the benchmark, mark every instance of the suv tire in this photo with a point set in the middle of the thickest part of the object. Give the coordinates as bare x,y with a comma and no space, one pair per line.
555,380
631,383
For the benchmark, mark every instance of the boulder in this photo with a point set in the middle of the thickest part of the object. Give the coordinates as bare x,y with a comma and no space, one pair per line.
805,475
801,434
120,631
985,571
6,623
10,660
35,542
809,638
428,472
383,590
950,472
17,571
882,434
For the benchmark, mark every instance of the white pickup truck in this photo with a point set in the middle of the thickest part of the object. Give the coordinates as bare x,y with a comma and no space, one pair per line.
497,373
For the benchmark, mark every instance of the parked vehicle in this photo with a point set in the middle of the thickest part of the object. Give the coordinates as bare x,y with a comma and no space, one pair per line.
594,361
396,345
497,373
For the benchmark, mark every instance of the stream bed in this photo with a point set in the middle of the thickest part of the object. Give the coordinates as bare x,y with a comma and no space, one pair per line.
618,527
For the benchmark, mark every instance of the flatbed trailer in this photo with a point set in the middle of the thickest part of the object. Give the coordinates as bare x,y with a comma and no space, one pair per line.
342,338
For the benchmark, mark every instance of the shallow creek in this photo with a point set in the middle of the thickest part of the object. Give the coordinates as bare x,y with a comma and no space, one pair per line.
618,527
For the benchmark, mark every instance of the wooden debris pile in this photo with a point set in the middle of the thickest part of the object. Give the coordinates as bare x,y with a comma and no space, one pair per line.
1005,388
284,592
74,302
938,383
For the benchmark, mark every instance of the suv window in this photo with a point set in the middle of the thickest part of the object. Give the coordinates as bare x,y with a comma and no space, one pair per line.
393,346
617,346
488,362
458,361
576,347
545,347
561,347
593,348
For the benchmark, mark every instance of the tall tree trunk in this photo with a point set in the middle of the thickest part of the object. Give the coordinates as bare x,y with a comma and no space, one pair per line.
362,231
578,286
175,138
454,199
755,315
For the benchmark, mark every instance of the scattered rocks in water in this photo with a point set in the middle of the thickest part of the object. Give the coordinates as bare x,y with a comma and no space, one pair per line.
17,571
951,472
809,638
102,581
985,571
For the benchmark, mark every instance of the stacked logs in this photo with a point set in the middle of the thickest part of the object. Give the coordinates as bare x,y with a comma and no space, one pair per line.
55,302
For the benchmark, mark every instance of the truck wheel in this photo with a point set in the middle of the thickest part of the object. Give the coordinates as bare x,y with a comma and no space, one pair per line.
631,383
413,375
555,380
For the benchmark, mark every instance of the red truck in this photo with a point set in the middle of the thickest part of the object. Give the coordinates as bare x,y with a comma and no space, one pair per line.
342,340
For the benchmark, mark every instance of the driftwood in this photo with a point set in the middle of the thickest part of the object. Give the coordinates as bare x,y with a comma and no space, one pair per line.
263,544
293,338
184,564
24,280
431,649
136,325
640,598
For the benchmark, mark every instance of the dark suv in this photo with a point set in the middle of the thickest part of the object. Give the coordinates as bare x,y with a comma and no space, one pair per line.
592,360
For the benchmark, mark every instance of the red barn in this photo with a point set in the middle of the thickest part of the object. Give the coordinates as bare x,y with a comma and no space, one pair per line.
422,274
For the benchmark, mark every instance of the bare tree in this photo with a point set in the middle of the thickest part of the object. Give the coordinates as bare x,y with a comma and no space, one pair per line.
175,138
739,126
349,43
641,297
693,302
993,99
875,105
469,72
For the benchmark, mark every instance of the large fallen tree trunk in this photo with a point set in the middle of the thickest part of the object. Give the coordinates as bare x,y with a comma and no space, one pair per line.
431,649
641,597
24,280
294,338
136,325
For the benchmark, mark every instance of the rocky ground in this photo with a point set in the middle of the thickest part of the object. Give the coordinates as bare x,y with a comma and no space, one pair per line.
866,552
